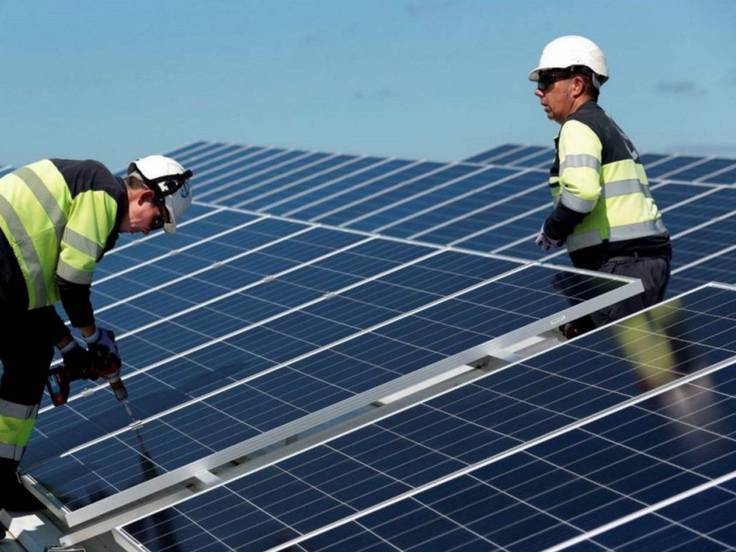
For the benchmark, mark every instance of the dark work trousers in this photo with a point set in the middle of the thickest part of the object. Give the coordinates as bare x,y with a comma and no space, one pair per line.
654,273
26,355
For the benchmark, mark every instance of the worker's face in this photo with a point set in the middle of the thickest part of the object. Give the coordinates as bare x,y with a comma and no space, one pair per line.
144,212
556,93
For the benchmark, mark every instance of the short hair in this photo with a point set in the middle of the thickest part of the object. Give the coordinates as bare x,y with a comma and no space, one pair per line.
587,75
133,182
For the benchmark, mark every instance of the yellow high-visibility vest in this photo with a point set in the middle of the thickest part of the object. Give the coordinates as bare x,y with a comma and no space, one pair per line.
597,172
54,229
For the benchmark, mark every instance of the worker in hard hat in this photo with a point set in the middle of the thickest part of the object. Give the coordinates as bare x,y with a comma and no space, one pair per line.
58,217
603,213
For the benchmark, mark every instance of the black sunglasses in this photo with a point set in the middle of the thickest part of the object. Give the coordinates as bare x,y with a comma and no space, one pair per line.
162,217
548,78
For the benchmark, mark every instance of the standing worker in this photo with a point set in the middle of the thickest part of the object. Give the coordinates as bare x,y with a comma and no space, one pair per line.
57,219
604,213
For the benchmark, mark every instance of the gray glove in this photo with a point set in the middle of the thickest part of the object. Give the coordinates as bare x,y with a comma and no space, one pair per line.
546,243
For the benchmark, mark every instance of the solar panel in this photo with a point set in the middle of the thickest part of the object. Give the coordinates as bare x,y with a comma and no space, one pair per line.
518,436
447,314
306,287
554,494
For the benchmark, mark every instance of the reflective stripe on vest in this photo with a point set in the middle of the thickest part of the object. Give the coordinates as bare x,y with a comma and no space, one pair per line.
72,274
44,197
582,240
580,160
16,425
82,243
623,187
37,286
577,204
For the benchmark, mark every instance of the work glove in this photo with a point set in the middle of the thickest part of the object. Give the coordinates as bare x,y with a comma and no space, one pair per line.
546,243
77,361
104,353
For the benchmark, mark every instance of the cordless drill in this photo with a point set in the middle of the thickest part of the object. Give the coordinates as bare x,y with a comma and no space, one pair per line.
100,363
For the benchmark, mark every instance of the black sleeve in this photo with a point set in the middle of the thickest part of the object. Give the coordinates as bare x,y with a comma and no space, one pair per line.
76,302
48,323
562,222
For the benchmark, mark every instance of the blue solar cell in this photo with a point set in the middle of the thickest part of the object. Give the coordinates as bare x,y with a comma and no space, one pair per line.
491,153
257,196
702,170
701,210
266,164
348,214
514,195
319,181
721,268
726,177
184,150
430,199
368,188
543,159
224,162
666,167
280,174
513,157
307,206
648,158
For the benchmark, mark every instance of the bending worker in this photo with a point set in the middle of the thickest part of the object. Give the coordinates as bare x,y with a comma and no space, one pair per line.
57,219
604,213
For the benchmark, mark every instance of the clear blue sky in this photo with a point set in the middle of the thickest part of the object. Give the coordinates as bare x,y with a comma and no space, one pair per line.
438,79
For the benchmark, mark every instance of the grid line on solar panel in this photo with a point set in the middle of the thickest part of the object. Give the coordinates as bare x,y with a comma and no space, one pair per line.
220,162
493,152
121,473
427,253
209,182
488,407
334,199
314,189
683,497
338,167
450,173
216,265
224,177
474,177
267,165
313,172
307,200
470,210
516,157
435,168
261,179
455,198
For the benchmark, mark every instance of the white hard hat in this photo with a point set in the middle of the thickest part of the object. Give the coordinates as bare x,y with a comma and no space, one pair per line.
567,51
169,181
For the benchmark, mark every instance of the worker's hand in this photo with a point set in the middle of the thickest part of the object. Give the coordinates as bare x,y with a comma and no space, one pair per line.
77,361
104,352
546,243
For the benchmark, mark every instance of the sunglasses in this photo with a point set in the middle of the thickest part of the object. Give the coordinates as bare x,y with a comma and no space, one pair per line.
548,78
161,218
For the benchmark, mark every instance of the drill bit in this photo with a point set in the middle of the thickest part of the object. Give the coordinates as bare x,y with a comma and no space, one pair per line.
126,405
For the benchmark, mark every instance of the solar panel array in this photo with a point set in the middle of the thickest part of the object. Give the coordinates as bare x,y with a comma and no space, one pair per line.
304,282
